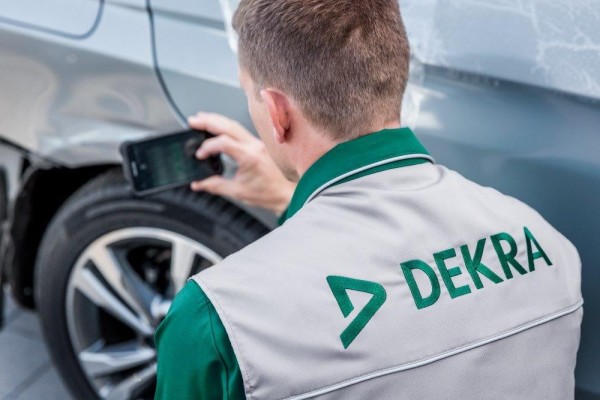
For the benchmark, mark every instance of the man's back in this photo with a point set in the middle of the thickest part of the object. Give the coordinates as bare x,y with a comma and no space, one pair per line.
407,283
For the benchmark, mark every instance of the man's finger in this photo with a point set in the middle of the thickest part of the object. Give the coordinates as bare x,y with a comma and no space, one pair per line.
216,185
221,144
220,125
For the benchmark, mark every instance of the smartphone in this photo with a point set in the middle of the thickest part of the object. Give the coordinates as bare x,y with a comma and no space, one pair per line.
163,163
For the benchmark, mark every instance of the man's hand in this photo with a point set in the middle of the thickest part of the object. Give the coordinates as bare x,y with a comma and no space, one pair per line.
258,181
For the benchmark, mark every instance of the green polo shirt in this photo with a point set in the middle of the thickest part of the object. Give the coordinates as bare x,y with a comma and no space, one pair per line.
195,357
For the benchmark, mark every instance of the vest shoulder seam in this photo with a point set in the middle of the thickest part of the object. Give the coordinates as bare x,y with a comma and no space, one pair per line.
439,356
217,349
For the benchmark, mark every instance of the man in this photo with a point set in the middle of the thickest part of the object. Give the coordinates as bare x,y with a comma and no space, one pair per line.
391,277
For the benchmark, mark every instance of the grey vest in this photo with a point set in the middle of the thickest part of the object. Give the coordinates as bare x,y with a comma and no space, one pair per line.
412,283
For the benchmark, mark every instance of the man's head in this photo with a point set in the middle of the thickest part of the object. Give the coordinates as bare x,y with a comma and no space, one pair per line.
339,65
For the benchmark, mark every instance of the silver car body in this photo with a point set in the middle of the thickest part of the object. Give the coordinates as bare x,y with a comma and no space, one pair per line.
505,91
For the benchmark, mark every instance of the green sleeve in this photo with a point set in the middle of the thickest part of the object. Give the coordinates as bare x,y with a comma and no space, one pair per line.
195,357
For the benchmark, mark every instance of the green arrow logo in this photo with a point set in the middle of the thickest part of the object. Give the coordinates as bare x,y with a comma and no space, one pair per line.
339,287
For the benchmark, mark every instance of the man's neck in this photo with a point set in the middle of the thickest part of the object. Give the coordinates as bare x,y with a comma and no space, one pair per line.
311,151
317,144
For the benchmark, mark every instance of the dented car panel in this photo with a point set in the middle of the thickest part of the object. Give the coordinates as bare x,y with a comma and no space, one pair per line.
73,99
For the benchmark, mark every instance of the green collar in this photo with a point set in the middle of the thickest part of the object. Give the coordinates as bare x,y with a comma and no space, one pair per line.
377,152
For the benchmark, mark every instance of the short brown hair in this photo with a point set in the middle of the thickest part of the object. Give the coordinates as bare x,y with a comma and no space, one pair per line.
345,62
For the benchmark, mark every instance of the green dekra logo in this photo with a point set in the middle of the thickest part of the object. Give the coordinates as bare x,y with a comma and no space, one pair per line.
339,286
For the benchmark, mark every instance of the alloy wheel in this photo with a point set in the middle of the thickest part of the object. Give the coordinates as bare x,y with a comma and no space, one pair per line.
119,291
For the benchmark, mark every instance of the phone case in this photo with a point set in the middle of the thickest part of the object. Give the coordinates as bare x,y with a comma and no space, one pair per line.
129,174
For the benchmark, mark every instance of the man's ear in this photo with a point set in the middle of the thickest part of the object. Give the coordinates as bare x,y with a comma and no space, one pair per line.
278,107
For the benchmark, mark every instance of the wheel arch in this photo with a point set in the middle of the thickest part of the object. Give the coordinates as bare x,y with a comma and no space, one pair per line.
43,190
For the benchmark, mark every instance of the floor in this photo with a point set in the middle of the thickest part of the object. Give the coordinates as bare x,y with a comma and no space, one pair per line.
26,371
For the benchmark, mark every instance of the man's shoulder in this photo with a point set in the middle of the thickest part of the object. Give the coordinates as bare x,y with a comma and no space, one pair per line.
296,233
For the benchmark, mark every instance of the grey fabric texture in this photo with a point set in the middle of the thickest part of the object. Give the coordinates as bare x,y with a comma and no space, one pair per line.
496,371
516,339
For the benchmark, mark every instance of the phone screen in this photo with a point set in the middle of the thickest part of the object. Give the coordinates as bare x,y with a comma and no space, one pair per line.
167,162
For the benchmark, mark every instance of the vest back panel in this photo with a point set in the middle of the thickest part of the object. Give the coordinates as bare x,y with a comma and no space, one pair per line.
406,283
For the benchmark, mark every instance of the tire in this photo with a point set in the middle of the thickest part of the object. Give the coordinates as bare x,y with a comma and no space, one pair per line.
78,288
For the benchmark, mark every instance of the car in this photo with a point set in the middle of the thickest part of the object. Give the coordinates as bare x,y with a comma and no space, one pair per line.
506,92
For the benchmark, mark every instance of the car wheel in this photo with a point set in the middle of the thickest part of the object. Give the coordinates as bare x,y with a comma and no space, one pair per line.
107,270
